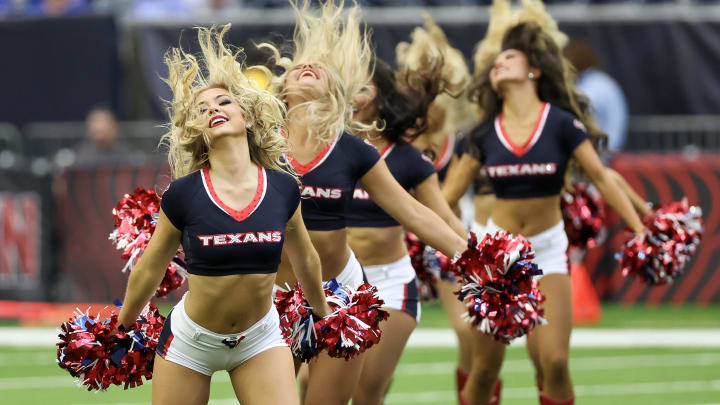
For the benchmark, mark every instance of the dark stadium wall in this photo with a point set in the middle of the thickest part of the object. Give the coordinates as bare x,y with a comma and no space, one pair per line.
57,69
63,66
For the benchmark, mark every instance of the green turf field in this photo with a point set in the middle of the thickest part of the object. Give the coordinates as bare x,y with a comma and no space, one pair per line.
426,376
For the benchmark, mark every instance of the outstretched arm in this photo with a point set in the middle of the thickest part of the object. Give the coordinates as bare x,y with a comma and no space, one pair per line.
429,194
606,184
150,269
415,217
640,205
459,178
305,263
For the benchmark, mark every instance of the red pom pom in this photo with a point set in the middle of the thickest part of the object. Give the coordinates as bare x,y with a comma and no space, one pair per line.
135,219
427,282
584,216
430,266
351,329
496,278
100,355
672,237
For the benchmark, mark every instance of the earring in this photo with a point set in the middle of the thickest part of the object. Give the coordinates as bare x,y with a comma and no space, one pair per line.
531,75
248,126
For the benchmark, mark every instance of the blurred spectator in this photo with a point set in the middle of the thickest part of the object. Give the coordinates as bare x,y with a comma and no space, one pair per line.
54,8
153,9
6,7
606,97
102,145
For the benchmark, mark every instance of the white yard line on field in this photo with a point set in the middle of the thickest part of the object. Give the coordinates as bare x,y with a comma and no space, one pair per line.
576,363
32,337
594,338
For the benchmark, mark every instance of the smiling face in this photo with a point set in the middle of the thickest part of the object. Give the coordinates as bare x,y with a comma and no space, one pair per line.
221,112
511,65
307,76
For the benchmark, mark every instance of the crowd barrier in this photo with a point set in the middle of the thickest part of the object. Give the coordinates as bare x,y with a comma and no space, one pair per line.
54,230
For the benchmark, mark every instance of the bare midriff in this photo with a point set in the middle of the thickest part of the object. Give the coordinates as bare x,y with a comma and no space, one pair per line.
334,254
229,304
376,246
527,216
483,207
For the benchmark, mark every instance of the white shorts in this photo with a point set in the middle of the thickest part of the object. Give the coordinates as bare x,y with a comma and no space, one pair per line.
551,248
352,275
397,285
478,229
188,344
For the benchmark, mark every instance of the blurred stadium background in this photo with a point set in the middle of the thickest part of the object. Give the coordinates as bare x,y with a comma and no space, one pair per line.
63,168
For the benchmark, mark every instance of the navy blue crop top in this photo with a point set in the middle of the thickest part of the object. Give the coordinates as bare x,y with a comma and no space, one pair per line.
328,181
219,240
536,169
408,166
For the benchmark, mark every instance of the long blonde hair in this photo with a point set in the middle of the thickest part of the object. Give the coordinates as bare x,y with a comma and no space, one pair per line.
429,42
218,66
341,46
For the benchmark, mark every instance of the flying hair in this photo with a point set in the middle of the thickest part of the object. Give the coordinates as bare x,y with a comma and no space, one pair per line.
218,66
340,45
430,42
532,31
502,18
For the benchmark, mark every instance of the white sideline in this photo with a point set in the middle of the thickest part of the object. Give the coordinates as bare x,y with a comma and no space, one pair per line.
576,364
584,337
439,338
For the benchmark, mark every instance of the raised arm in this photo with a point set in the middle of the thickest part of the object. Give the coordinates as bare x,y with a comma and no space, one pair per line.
415,217
459,178
305,263
429,194
607,185
150,269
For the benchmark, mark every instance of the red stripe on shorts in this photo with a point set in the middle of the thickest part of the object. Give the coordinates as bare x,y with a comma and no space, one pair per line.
167,346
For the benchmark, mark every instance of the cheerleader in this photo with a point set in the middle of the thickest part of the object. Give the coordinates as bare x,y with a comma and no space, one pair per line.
399,101
448,117
327,70
534,123
233,206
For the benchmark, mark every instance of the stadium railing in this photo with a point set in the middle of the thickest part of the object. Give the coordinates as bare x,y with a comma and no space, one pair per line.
667,133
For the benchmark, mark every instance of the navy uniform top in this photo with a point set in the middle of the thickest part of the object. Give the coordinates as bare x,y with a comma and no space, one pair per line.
328,181
536,169
218,240
408,166
455,144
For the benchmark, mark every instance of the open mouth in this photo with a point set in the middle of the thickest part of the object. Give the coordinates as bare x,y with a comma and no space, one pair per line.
308,73
218,120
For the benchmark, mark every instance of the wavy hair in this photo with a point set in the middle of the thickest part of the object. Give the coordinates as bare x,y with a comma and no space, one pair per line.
341,46
430,43
218,66
533,32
